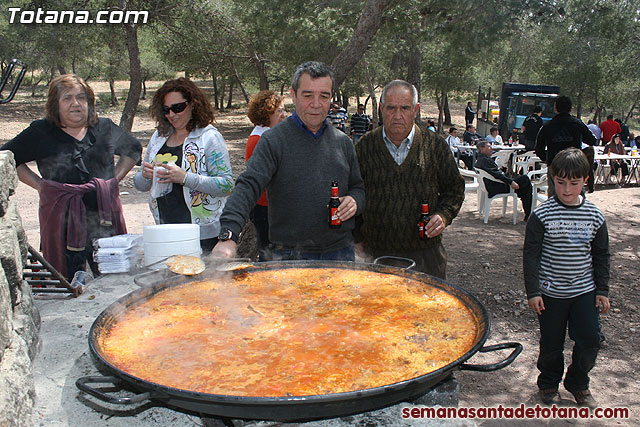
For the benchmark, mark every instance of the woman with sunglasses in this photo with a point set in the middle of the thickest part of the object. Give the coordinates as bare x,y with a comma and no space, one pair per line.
77,181
191,155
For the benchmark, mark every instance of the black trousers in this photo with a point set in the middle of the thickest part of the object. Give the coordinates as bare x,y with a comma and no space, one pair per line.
467,159
524,192
77,261
590,153
617,164
581,316
529,144
259,216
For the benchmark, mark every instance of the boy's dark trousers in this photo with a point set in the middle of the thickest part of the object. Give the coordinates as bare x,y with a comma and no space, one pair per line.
581,315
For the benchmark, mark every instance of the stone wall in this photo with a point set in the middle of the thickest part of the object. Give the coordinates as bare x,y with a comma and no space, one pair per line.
19,319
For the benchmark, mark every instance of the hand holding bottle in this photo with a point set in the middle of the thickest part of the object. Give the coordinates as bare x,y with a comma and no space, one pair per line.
435,226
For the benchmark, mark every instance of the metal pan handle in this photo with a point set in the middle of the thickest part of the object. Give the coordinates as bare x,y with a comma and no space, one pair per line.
152,277
82,384
411,263
494,367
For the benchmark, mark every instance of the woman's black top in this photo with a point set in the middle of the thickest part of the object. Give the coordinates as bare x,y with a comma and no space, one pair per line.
172,207
62,158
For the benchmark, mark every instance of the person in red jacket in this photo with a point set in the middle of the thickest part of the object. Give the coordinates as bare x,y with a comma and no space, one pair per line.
265,110
609,128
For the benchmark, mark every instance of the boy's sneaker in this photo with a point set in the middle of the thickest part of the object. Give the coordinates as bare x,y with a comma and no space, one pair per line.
550,396
584,398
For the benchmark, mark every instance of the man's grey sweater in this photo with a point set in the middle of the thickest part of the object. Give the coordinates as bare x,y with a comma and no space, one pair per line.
297,170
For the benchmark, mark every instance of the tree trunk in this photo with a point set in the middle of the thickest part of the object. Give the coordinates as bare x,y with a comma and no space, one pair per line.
34,83
596,114
230,100
447,111
261,67
439,102
215,91
579,104
222,91
413,71
367,27
135,75
235,73
112,89
372,91
478,104
144,89
396,60
52,74
633,107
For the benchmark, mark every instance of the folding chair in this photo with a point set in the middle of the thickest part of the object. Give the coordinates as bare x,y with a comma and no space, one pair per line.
604,173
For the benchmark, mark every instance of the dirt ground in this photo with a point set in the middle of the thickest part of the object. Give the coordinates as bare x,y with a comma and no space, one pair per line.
484,259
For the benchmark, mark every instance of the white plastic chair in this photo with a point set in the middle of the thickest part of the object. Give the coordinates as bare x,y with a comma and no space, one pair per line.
538,182
525,161
485,206
502,159
472,186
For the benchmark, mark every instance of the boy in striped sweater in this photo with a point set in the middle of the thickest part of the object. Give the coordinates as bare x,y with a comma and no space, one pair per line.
566,271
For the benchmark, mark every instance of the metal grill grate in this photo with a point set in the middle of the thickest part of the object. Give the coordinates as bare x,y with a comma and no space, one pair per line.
44,278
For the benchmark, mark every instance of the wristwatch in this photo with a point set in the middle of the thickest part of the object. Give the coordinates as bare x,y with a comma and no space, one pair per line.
226,234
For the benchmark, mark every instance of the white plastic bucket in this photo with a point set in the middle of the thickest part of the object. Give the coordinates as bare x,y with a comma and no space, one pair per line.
165,240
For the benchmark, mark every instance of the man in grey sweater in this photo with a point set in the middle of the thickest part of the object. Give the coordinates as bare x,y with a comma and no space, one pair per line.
296,161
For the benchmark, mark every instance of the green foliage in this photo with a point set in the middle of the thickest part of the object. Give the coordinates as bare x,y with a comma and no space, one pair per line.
587,48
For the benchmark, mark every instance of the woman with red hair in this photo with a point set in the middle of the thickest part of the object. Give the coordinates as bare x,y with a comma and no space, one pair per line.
265,110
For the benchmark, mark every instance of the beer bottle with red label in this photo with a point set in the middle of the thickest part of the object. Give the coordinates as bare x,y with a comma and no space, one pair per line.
334,220
424,220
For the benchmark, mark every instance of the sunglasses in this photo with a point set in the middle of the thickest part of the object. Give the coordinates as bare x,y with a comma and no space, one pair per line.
176,108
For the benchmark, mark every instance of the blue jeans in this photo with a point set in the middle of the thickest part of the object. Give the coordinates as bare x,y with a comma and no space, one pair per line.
344,254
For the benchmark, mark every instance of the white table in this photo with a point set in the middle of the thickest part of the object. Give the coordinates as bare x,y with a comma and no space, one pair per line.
514,147
634,168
